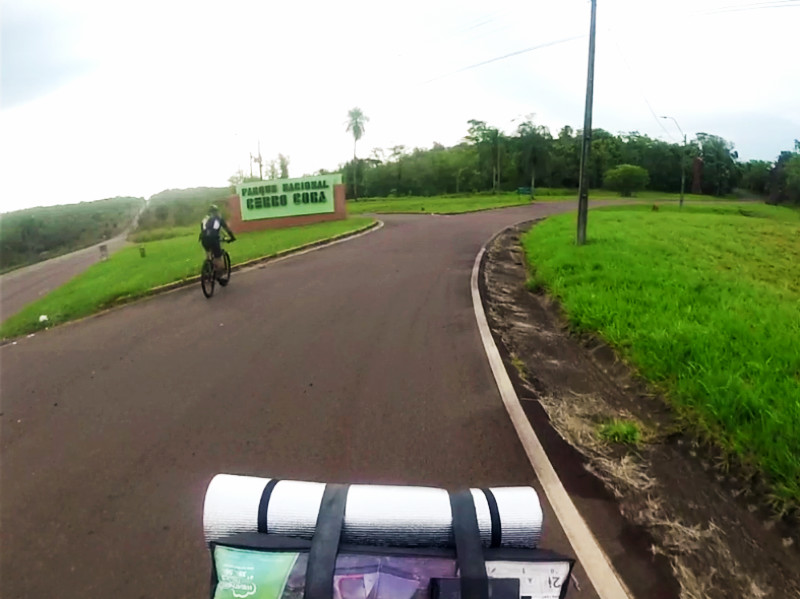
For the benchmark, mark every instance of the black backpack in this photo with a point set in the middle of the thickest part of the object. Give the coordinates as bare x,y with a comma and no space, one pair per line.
212,226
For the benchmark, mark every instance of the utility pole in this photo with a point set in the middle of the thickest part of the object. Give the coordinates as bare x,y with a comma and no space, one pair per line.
583,182
683,157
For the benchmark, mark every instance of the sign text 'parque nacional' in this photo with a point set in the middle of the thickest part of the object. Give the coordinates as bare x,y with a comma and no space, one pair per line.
287,197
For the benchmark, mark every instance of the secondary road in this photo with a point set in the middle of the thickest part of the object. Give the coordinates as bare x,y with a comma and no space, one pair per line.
20,287
360,362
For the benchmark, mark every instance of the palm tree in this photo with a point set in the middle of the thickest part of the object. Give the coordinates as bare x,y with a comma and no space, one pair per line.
355,124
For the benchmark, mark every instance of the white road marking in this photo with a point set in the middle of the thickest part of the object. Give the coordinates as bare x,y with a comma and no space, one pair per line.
597,565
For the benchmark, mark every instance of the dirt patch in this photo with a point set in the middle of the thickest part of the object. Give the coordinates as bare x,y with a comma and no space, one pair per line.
702,530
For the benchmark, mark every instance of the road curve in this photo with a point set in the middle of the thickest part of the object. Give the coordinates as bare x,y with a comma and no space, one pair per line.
360,363
20,287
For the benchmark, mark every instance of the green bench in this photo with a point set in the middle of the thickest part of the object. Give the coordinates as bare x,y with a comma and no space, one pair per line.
524,191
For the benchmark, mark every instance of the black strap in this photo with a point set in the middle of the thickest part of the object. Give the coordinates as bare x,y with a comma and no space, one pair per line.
325,544
494,515
263,505
469,552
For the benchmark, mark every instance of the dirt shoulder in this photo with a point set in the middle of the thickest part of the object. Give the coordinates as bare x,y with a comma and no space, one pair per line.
672,522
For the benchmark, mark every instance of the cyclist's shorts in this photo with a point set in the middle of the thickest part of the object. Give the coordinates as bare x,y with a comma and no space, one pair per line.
212,245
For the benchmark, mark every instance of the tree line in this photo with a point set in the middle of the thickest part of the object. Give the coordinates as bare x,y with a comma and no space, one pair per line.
35,234
490,160
779,180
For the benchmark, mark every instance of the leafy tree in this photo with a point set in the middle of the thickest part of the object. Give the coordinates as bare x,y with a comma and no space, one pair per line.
489,160
785,178
272,173
719,169
480,136
565,159
755,176
793,179
236,178
397,152
626,179
283,165
489,143
535,141
605,154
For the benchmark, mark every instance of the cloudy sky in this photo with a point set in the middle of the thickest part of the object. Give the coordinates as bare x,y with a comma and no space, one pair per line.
106,98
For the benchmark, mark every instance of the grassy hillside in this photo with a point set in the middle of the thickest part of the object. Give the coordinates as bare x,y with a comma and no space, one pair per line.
181,207
455,204
705,302
36,234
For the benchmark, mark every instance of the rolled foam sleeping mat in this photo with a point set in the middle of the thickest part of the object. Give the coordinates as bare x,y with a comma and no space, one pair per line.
398,516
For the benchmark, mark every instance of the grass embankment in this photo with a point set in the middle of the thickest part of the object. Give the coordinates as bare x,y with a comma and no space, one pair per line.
437,204
142,236
705,302
473,203
126,275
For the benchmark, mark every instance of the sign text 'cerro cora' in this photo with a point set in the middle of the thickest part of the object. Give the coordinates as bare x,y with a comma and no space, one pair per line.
279,198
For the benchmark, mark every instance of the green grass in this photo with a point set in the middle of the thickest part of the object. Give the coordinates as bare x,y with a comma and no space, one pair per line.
625,432
163,233
436,204
705,302
455,204
127,275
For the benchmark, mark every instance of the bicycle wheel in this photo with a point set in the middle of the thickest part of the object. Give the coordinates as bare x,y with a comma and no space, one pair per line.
226,275
207,278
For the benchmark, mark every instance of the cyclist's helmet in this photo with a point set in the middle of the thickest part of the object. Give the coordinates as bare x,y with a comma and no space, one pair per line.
213,209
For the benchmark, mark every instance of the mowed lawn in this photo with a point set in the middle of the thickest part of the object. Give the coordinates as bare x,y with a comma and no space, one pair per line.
475,203
436,204
705,302
126,275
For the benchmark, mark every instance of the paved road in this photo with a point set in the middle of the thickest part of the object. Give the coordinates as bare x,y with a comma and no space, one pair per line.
25,285
361,362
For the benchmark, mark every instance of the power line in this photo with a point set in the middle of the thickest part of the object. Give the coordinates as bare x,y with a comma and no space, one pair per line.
458,32
641,91
754,6
517,53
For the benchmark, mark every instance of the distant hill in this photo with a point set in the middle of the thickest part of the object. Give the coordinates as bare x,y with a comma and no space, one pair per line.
36,234
181,207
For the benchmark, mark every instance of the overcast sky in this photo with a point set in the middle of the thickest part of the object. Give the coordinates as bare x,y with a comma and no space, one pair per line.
105,98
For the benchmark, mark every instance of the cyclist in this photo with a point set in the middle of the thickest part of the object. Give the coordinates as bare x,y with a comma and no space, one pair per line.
210,229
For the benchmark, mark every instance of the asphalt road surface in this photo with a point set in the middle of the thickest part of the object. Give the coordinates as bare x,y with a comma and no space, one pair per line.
361,362
20,287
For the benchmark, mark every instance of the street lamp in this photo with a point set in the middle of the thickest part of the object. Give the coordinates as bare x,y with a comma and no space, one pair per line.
683,156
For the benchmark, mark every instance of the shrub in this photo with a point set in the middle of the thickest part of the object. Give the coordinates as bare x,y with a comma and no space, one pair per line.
626,179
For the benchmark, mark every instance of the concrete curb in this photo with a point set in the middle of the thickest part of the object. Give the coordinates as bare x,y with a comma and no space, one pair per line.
244,266
295,251
588,551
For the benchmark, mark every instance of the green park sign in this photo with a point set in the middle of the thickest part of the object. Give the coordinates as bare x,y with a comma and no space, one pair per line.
278,198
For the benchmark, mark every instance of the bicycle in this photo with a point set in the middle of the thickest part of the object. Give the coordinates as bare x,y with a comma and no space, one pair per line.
208,274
